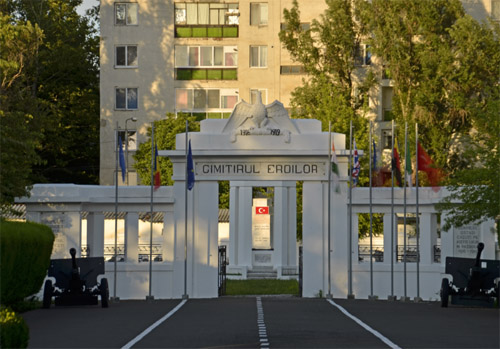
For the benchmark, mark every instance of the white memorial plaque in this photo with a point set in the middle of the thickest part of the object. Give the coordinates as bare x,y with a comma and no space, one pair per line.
465,240
261,225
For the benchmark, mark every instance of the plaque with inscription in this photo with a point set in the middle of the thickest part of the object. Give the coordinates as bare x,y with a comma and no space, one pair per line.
465,240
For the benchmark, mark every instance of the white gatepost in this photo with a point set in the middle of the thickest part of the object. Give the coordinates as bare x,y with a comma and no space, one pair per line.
132,237
95,234
427,227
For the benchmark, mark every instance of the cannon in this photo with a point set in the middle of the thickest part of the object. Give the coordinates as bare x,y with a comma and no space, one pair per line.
475,281
76,282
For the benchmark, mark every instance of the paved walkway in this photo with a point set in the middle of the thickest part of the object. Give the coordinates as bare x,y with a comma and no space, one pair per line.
265,322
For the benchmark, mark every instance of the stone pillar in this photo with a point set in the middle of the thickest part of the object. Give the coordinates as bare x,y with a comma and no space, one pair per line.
132,237
387,238
204,251
168,237
95,234
314,238
280,228
240,227
427,237
355,240
446,241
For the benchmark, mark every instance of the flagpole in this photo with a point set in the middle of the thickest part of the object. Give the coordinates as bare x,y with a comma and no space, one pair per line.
404,219
150,297
185,295
349,252
391,297
115,299
418,215
329,294
371,214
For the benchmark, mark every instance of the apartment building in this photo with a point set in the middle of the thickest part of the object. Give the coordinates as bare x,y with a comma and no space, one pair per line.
202,57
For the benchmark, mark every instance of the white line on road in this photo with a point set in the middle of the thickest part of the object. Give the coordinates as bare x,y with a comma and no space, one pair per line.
264,343
365,326
153,326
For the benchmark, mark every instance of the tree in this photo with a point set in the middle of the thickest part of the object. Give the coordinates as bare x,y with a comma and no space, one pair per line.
476,97
19,135
328,51
64,79
165,132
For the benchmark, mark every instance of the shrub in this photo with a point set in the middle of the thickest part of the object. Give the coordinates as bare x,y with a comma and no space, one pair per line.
25,250
14,332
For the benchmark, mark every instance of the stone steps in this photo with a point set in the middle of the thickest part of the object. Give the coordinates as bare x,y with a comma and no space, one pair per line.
262,273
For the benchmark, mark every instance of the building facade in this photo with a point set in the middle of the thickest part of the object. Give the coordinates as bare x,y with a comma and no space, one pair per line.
202,57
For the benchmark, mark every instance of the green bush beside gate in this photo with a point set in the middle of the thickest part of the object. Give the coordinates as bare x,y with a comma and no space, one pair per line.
14,332
25,250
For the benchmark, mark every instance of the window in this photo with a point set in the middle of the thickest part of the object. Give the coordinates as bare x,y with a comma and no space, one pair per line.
206,56
126,13
258,56
126,98
188,99
363,55
387,94
258,14
253,95
303,26
292,69
132,140
126,56
206,14
387,139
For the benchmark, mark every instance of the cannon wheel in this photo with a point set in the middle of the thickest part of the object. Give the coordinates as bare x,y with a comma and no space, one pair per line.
445,292
47,294
104,291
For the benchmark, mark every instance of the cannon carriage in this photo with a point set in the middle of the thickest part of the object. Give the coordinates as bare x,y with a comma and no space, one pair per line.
76,282
475,282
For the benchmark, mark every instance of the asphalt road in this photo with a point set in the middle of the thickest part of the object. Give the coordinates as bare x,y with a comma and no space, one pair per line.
284,322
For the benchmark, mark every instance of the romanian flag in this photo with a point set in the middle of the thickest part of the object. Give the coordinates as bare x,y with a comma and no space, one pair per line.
395,164
156,170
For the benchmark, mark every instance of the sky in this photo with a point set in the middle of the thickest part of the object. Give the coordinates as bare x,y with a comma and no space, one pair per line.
86,4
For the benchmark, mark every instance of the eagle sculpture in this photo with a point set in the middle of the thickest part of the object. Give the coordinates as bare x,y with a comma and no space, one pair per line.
258,119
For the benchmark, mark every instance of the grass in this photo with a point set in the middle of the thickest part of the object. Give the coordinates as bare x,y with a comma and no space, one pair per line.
264,286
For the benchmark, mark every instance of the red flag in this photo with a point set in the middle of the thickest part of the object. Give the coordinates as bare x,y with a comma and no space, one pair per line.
426,164
157,179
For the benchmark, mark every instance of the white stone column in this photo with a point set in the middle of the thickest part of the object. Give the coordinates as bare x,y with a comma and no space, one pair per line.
446,241
204,255
314,239
132,237
338,242
355,239
427,237
32,216
95,234
387,238
280,228
168,251
232,252
72,230
244,228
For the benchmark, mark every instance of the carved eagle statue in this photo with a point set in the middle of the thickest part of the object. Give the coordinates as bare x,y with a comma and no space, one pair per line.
256,117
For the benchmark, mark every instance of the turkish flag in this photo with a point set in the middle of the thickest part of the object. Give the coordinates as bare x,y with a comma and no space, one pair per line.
262,210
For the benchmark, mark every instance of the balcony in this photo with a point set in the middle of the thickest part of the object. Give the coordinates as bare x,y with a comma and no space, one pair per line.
206,74
206,31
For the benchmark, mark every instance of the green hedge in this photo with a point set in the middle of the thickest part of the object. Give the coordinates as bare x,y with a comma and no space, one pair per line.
25,250
14,332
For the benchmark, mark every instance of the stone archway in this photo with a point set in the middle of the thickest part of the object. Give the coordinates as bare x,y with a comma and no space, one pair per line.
257,146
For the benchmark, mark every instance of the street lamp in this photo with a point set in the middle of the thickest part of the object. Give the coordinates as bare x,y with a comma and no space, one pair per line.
133,119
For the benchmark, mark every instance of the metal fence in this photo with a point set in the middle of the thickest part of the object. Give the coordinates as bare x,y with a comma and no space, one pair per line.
143,249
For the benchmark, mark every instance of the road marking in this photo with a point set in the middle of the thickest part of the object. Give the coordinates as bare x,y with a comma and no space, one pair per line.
264,343
365,326
153,326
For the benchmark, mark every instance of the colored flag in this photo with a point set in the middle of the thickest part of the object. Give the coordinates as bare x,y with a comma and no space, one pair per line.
335,170
190,168
395,164
262,210
121,157
426,164
408,170
356,166
156,170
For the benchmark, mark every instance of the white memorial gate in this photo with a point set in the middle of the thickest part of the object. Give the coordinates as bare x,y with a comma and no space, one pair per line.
258,146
